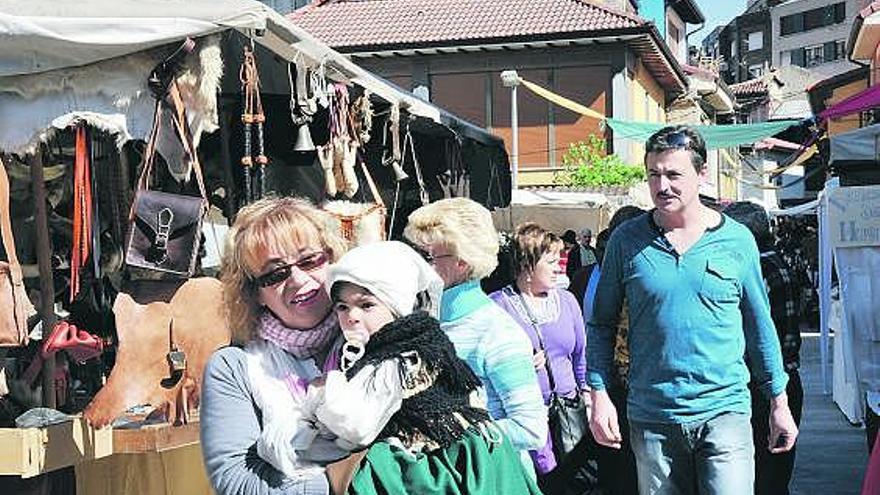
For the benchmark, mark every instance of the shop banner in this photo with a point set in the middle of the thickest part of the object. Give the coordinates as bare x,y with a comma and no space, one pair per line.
854,216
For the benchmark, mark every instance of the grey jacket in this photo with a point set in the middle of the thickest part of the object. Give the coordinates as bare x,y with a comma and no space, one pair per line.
230,426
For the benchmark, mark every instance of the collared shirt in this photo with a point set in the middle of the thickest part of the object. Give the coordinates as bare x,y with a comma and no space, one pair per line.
692,317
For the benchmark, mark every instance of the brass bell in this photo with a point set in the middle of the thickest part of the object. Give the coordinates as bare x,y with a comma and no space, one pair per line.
399,174
304,139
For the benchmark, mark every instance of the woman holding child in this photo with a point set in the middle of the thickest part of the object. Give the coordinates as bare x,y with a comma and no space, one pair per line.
254,435
293,396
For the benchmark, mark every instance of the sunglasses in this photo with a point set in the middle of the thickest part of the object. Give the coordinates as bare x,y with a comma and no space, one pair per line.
681,140
307,263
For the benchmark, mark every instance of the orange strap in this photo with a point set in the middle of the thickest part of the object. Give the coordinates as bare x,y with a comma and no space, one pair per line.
82,209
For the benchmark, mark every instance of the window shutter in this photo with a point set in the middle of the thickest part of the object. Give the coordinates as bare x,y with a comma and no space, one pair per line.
830,48
798,57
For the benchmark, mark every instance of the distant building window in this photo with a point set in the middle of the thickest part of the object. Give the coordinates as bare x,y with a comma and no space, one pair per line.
756,70
673,38
813,55
756,40
813,19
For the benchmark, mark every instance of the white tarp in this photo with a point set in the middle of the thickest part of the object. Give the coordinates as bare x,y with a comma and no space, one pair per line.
858,145
808,208
42,35
49,44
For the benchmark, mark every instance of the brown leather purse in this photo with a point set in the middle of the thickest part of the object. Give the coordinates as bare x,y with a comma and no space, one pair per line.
15,307
166,228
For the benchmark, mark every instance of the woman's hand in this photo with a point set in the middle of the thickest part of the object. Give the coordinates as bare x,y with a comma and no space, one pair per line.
539,360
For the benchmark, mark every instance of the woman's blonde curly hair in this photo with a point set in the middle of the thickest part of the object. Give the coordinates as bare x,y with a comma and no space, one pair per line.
464,226
283,225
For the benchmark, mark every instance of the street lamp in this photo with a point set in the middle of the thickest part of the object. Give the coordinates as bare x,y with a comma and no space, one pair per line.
510,79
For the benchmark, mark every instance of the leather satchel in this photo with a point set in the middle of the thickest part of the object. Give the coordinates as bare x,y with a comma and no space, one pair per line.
15,307
166,228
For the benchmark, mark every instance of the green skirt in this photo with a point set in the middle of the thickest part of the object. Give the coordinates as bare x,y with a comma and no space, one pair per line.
472,465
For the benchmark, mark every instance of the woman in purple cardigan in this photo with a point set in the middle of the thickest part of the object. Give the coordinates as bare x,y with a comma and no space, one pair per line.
557,316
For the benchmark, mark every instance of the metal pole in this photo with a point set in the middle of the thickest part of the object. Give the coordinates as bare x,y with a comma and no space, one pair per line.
510,79
514,129
44,262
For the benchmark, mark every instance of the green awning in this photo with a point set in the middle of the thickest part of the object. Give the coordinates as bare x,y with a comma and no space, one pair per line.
716,136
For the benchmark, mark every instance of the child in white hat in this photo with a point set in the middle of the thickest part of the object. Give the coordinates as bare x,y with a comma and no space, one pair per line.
402,390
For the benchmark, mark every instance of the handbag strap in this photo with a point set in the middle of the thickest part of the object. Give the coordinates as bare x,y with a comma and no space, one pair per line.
181,127
537,327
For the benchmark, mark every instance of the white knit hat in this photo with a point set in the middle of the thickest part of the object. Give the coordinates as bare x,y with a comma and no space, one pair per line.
394,273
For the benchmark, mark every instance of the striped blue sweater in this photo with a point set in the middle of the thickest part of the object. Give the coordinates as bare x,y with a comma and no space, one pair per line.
499,352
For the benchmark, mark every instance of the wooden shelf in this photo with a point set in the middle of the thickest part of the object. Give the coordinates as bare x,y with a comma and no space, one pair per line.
155,438
27,452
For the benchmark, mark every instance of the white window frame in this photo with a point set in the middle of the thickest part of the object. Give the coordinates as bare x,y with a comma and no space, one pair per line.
756,40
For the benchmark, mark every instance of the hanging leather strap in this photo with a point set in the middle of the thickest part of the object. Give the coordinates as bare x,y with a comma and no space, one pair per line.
423,192
15,274
253,119
82,209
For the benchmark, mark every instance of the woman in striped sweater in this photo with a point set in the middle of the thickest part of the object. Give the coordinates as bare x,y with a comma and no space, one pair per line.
458,238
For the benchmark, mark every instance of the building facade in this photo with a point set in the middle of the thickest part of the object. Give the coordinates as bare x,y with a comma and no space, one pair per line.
609,60
813,34
746,45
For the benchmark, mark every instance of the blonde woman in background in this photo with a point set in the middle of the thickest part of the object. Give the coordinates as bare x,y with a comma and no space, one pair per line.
458,238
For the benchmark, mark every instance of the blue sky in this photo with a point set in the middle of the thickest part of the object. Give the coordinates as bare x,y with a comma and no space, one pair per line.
717,12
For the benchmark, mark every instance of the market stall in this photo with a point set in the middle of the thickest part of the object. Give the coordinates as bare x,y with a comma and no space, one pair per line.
105,105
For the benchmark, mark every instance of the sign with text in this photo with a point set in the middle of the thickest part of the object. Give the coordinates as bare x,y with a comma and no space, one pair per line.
854,216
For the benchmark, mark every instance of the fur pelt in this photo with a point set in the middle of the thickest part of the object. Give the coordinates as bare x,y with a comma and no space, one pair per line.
120,85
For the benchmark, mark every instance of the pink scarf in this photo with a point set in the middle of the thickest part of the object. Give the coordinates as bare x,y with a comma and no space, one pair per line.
303,343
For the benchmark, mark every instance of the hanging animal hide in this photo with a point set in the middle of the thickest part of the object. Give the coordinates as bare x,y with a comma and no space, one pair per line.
38,106
162,352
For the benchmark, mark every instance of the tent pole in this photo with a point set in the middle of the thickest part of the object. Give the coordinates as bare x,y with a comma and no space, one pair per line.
47,288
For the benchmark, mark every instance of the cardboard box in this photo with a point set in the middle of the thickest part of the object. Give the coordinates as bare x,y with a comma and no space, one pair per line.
27,452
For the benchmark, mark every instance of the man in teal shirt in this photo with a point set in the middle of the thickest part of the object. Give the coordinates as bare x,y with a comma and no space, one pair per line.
697,305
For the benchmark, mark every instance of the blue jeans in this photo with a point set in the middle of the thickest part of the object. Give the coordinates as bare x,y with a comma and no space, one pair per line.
714,457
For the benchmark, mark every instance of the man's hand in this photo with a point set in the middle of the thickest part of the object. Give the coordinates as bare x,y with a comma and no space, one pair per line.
604,424
783,430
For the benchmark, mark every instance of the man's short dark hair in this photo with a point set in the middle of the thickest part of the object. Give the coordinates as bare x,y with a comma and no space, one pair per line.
678,137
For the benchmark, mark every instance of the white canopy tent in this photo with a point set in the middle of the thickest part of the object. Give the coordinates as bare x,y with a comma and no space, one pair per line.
554,210
46,42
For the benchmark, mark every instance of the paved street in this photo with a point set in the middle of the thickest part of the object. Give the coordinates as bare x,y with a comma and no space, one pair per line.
831,453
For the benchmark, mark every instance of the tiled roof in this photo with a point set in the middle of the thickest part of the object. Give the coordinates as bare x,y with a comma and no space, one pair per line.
750,87
370,23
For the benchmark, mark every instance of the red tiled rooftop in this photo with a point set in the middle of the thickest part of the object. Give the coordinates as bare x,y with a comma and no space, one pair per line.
750,87
371,23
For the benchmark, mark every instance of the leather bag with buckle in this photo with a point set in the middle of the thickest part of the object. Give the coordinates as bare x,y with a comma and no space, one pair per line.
15,307
166,228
